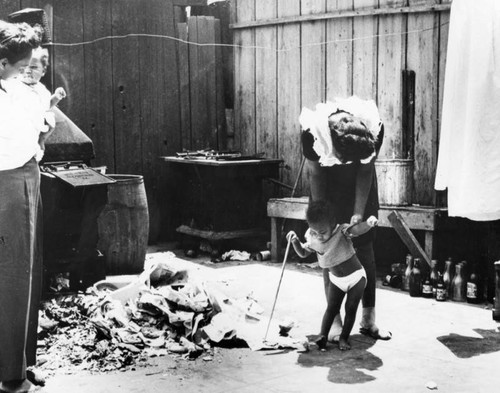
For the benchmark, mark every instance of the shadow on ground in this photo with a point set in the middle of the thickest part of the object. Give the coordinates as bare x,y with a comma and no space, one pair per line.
345,366
465,347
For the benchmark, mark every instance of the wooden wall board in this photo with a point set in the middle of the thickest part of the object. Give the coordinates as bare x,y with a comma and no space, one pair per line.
444,20
184,86
126,87
221,10
206,35
99,122
68,60
198,115
203,114
313,59
289,104
313,66
158,101
365,30
266,81
220,89
244,75
391,61
339,52
423,58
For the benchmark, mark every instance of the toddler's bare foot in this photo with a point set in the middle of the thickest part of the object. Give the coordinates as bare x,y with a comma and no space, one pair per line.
344,344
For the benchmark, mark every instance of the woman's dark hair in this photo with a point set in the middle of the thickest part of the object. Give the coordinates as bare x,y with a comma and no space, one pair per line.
351,138
17,40
320,211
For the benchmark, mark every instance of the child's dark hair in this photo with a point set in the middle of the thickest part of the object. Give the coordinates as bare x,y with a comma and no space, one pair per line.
320,211
351,138
17,40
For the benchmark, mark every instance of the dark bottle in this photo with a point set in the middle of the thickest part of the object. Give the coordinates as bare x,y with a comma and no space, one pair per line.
416,279
473,292
393,280
457,285
496,304
427,287
440,289
448,276
465,276
434,277
405,285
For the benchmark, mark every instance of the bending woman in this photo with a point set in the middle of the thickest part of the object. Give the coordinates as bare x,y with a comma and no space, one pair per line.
340,141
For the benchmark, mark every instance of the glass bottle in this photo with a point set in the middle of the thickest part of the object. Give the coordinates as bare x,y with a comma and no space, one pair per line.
427,287
457,285
393,280
465,274
440,289
496,304
405,286
473,286
434,277
415,279
448,276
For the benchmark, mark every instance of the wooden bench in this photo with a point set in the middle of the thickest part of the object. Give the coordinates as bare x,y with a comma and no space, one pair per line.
427,219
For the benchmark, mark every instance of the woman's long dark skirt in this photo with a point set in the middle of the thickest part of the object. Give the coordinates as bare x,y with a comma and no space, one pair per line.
20,268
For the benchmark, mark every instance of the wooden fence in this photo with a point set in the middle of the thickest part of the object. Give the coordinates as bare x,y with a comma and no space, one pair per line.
295,53
133,87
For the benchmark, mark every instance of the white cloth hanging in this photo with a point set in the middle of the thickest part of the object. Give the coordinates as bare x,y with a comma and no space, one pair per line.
469,150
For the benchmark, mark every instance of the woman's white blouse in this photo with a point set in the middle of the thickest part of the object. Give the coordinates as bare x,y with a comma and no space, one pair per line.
18,134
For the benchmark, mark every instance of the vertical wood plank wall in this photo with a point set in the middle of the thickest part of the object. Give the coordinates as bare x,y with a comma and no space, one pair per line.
137,97
361,55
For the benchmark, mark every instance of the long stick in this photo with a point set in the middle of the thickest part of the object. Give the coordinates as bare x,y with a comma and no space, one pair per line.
279,284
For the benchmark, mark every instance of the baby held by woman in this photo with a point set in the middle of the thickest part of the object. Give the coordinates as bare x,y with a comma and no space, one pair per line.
331,241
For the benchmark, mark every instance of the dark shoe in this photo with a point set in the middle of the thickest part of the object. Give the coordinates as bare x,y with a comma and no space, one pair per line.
35,377
321,343
375,334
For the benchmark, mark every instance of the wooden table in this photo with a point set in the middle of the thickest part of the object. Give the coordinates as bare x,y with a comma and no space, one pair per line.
427,219
221,199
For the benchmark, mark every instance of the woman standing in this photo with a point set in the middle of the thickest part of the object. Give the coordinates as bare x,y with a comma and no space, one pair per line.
20,253
340,141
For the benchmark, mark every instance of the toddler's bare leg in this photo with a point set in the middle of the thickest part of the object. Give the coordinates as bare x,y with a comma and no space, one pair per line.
336,327
354,296
335,297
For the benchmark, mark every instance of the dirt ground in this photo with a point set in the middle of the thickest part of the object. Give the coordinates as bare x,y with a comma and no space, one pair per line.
455,346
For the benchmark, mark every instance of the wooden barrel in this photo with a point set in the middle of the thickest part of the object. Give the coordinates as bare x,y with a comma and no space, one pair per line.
395,181
123,225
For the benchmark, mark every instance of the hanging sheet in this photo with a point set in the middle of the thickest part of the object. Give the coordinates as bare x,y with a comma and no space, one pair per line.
469,151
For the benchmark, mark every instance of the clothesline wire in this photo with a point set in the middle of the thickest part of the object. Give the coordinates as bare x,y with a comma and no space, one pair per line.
131,35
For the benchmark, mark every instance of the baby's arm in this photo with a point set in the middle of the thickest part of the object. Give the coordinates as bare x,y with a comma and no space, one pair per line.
297,245
362,227
58,95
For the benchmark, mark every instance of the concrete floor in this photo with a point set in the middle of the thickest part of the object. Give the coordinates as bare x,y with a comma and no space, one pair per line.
455,345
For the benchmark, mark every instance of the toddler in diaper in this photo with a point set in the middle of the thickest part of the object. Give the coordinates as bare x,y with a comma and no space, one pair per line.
331,241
